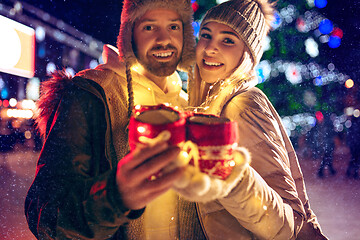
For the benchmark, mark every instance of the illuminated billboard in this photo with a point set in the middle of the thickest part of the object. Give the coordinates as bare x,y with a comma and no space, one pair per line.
17,48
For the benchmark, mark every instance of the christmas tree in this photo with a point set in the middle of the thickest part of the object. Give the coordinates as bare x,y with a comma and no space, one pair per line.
294,71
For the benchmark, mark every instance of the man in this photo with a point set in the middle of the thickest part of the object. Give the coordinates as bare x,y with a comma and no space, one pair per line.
86,187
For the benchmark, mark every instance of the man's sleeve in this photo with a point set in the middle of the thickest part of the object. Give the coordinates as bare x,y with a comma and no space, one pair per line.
74,193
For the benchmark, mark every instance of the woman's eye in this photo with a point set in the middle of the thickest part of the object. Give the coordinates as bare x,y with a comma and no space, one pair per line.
228,41
205,35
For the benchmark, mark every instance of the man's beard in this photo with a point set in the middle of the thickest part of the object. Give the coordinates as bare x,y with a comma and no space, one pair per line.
160,69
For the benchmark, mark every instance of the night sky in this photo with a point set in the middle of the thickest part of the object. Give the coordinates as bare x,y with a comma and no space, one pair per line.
101,19
346,15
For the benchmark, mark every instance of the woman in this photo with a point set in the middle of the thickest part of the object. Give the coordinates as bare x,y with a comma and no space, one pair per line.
229,48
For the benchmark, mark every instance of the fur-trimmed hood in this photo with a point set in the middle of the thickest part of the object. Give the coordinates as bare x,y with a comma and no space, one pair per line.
52,91
54,88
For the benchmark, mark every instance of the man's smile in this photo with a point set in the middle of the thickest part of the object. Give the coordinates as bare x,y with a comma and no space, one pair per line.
163,55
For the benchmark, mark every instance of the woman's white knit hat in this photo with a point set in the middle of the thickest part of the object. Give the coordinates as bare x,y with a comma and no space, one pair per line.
250,19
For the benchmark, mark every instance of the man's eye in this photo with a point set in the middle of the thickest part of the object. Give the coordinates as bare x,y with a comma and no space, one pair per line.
148,28
175,27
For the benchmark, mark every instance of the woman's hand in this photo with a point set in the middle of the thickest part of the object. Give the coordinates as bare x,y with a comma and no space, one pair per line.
197,186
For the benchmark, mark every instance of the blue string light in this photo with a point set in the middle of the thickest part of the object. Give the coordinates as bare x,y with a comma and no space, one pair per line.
196,27
334,42
320,3
277,20
326,26
318,81
260,75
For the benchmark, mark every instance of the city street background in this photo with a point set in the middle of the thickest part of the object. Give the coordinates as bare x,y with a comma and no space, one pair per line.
334,199
308,80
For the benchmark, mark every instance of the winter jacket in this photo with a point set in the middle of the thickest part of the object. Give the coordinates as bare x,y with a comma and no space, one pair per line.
74,194
271,201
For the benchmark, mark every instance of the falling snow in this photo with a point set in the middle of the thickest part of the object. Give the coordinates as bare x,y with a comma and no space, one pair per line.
334,199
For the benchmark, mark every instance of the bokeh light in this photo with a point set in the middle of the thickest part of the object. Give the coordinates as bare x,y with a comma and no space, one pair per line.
334,42
50,68
4,93
356,113
318,81
300,24
320,3
6,103
311,47
326,26
349,83
310,3
195,6
319,116
12,102
277,21
292,73
27,134
337,32
263,70
40,33
196,27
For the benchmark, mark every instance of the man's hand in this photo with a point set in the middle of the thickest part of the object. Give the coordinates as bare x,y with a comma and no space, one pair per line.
135,169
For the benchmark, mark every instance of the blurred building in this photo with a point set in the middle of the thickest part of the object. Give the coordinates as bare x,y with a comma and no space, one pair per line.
32,45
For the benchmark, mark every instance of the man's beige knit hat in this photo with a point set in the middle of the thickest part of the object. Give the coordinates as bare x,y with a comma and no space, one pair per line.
250,19
134,10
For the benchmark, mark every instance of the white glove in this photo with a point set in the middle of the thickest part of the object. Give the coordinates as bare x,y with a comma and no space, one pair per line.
197,186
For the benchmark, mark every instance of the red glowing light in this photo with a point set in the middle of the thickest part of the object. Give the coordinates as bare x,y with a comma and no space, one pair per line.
195,6
337,32
319,116
300,24
6,103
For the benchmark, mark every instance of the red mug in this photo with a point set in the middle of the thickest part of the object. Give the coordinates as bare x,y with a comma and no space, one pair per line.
210,140
216,139
148,122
